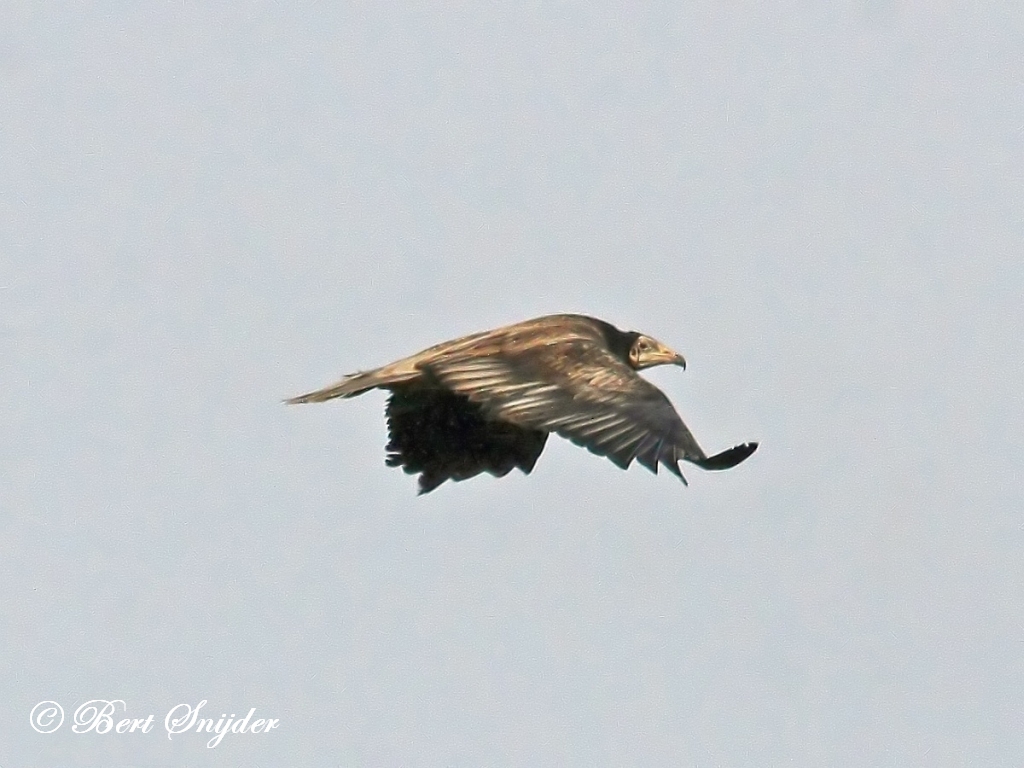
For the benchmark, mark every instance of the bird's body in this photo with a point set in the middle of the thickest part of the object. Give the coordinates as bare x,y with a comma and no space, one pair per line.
486,402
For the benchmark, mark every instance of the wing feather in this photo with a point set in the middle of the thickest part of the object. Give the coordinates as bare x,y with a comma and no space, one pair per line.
579,390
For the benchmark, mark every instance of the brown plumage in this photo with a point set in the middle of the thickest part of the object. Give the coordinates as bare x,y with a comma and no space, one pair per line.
486,402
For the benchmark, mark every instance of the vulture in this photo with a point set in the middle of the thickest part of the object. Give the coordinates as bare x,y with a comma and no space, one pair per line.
487,402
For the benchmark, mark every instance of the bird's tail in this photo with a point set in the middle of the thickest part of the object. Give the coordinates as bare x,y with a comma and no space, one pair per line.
350,386
357,383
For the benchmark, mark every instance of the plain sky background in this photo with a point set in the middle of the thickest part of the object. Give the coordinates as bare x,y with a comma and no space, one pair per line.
207,207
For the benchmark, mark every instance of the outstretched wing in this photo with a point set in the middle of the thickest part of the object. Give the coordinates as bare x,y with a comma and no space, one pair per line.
579,390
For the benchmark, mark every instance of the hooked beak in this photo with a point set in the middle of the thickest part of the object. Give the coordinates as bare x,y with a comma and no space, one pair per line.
662,355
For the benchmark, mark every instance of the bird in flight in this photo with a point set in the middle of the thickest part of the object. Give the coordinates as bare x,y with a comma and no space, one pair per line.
487,402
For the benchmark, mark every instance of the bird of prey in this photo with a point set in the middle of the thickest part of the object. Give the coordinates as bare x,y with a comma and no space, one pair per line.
486,402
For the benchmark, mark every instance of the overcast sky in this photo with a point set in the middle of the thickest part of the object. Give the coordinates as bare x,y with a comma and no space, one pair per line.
207,208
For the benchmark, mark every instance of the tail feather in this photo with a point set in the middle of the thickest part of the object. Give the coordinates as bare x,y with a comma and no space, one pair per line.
357,383
398,372
350,386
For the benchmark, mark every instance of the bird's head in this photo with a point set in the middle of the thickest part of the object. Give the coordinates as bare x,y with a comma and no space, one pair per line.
646,352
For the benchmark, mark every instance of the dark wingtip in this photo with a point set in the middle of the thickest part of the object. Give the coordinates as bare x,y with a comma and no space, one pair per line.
728,458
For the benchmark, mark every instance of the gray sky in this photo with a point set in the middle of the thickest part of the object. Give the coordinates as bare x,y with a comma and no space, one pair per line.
206,209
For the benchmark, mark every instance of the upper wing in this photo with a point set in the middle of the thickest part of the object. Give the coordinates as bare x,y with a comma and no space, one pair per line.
579,390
